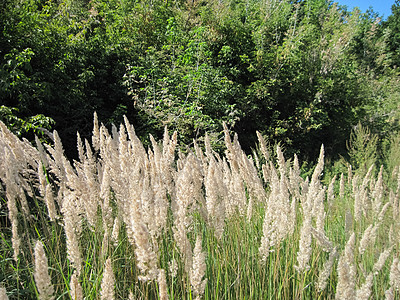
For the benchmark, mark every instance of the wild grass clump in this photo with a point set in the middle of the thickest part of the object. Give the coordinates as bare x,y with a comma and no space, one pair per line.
126,222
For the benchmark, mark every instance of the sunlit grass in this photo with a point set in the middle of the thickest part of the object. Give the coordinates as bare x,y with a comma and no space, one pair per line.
233,264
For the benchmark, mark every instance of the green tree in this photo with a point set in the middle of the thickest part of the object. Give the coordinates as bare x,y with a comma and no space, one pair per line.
393,24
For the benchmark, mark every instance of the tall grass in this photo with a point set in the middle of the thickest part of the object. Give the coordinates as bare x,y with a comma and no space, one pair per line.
125,222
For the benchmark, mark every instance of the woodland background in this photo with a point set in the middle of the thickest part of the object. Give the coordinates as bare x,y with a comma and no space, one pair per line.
300,72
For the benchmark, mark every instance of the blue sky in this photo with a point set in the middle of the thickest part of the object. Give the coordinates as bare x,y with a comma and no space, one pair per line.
380,6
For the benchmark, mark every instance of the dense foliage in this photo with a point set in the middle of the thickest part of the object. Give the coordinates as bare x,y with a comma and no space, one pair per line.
302,72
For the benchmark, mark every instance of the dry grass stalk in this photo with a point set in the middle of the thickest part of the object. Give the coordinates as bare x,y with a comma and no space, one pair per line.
395,203
122,172
81,151
249,173
23,200
281,161
42,155
13,216
365,239
238,160
319,210
42,278
280,217
56,159
22,153
198,270
312,205
398,180
263,146
105,195
314,198
108,282
346,284
91,189
162,285
158,187
237,193
348,223
267,240
50,203
322,240
42,179
145,255
363,203
3,294
381,214
394,276
377,193
341,186
359,196
130,296
349,174
146,205
331,192
319,168
75,287
167,171
115,230
295,179
368,238
186,193
381,261
364,292
216,194
72,228
96,133
105,243
12,166
304,253
389,294
326,270
173,268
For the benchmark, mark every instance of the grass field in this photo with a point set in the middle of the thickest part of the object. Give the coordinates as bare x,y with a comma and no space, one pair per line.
125,222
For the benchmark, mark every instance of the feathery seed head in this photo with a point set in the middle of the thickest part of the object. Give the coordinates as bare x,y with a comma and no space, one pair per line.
108,282
162,284
42,278
75,288
198,270
3,294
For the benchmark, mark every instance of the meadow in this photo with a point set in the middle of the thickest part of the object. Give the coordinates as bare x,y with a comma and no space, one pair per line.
129,222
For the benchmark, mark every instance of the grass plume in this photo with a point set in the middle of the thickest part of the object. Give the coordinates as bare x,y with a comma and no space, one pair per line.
127,222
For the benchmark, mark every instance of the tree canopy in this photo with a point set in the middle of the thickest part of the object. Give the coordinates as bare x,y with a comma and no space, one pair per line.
301,72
